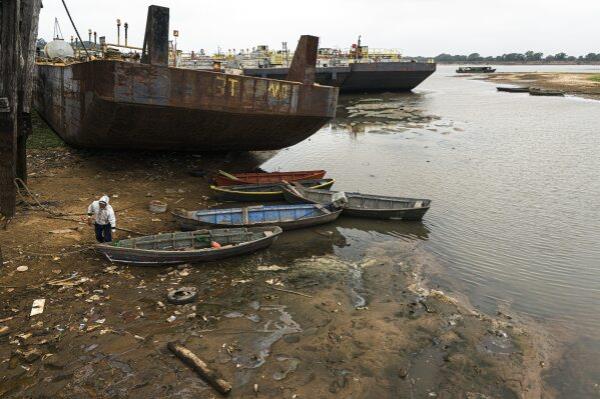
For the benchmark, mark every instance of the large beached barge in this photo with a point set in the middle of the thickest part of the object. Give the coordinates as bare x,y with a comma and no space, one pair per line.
115,104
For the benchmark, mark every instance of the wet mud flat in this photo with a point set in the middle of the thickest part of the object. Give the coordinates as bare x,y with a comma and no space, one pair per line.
580,84
297,320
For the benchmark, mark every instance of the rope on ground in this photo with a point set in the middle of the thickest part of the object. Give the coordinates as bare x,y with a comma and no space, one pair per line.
19,184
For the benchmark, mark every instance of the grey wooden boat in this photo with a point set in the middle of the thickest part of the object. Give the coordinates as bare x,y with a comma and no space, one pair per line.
288,217
362,205
189,247
263,192
512,89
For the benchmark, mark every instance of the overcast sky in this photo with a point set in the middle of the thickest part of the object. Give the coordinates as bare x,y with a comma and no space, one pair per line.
415,27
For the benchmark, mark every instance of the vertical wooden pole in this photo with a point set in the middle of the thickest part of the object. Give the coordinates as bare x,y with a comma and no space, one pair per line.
156,37
30,12
9,67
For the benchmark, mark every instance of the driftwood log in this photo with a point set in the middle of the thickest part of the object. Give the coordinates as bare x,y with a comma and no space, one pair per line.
189,358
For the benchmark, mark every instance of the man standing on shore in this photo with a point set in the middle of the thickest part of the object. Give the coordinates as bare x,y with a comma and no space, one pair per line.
103,217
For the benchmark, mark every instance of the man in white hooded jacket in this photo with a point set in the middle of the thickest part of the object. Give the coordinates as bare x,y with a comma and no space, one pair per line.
103,217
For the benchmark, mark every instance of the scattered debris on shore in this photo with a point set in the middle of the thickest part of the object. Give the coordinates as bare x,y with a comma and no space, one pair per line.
293,321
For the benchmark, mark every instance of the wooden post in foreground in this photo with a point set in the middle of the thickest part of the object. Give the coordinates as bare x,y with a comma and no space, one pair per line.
9,67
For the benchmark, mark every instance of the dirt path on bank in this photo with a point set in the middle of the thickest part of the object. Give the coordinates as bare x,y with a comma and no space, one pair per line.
369,328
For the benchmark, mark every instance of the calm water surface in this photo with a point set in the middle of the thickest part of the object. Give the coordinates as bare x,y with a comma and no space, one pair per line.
514,180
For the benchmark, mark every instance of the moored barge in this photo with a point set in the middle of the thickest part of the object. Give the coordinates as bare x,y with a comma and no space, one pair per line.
362,76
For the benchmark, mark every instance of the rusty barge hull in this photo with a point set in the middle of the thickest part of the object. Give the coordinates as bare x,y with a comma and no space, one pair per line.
363,77
113,104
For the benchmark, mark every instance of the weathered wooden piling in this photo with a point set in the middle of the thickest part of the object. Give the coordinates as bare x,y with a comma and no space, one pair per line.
30,12
18,32
156,38
9,66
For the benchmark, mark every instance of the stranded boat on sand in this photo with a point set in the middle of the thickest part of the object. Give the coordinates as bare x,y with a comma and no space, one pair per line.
115,104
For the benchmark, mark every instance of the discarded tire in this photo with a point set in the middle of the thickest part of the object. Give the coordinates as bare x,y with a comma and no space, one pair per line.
182,295
156,206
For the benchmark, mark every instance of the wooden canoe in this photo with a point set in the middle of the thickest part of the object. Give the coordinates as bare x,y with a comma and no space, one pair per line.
508,89
235,179
362,205
189,247
264,192
288,217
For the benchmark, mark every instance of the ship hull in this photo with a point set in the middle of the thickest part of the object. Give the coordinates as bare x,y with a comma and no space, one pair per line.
362,77
119,105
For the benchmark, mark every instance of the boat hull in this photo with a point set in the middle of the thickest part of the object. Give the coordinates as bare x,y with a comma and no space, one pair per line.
165,257
243,193
187,223
267,178
363,77
394,212
121,105
401,214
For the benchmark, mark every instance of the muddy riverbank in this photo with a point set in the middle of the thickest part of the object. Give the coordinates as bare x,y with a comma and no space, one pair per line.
368,324
580,84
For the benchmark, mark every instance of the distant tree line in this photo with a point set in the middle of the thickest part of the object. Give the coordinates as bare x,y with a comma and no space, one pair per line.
517,57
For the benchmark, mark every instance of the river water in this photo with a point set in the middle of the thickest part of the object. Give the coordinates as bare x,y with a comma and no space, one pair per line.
515,219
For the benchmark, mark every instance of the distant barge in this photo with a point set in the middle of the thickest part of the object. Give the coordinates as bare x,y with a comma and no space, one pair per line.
362,77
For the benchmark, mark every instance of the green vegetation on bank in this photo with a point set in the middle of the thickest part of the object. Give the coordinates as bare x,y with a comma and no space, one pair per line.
529,56
42,136
595,78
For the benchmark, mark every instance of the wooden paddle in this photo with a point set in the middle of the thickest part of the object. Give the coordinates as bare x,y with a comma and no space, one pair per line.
229,175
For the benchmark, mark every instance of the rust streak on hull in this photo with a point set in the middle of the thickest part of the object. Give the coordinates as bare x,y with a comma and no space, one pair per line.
120,105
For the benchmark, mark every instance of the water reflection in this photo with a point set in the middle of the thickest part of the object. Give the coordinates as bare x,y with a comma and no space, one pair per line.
387,113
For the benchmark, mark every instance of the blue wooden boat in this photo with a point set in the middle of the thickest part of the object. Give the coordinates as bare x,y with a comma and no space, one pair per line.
288,217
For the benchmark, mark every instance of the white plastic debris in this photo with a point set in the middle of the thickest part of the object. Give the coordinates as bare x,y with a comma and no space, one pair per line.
273,268
22,268
37,307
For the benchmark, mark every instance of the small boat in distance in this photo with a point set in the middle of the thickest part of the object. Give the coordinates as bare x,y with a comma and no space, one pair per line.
288,217
476,69
362,205
536,91
227,179
191,246
265,192
512,89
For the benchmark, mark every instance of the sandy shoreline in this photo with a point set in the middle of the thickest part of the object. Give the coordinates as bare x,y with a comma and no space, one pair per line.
105,327
579,84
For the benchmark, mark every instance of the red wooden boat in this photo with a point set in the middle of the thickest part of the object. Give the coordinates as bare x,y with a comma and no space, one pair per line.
226,179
